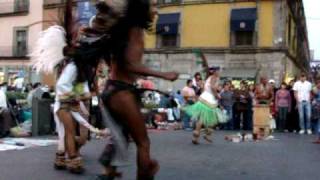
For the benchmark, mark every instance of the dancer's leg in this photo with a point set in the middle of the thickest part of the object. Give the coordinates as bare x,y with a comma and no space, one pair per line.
196,132
70,132
208,133
60,161
124,105
74,163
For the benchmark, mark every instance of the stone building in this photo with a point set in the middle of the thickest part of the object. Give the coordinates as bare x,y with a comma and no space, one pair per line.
247,39
20,24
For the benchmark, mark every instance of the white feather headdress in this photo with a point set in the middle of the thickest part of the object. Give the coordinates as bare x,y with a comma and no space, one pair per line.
118,6
48,52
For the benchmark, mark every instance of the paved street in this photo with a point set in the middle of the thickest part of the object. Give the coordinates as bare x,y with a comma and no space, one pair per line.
292,157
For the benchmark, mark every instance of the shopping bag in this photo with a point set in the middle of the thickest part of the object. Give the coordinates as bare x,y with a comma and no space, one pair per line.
273,125
222,116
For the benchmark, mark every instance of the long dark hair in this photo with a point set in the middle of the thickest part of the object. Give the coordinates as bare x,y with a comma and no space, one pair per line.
137,15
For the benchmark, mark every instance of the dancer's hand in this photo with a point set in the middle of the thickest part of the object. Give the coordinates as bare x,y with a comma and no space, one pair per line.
104,132
171,76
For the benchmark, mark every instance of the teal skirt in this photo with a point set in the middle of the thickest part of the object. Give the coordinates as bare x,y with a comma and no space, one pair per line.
207,115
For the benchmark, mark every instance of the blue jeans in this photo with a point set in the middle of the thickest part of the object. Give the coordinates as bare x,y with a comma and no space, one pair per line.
282,118
304,115
229,124
186,120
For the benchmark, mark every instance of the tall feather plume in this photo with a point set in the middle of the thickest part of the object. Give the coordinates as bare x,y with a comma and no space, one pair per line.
119,6
109,12
48,52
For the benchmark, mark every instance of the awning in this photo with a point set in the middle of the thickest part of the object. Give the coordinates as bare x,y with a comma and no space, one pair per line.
243,19
237,73
168,24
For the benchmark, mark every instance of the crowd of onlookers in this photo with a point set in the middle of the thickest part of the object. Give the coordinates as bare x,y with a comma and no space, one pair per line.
16,104
295,105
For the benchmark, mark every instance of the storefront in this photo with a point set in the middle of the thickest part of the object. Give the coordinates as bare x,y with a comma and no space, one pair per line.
10,73
236,75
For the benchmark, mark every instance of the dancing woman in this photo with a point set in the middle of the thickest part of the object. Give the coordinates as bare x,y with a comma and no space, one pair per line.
117,35
205,111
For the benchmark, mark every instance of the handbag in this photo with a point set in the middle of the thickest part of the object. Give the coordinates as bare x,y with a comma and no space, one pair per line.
222,116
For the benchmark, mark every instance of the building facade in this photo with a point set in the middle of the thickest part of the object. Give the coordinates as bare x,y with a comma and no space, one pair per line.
20,23
53,13
247,39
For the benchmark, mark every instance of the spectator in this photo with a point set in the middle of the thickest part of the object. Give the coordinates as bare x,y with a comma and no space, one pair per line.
5,115
30,94
302,89
28,88
189,96
251,104
272,84
293,117
179,97
251,92
242,104
283,106
316,107
147,84
188,92
197,83
18,83
226,102
264,92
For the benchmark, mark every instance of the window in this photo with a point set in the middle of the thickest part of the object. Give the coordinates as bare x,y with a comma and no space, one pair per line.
20,43
244,38
169,40
21,5
242,27
168,30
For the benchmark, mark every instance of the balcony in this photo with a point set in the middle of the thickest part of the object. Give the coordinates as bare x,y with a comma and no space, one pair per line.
14,7
8,52
53,2
57,3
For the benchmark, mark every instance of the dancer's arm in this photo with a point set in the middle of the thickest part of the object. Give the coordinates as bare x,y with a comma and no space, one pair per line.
134,54
86,124
214,88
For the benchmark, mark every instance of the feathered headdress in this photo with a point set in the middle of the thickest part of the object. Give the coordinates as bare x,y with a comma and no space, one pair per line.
108,13
48,52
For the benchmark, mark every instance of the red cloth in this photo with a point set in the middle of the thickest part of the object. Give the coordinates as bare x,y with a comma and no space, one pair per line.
147,84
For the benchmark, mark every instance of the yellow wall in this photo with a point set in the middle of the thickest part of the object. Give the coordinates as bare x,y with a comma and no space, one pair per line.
208,25
265,18
205,26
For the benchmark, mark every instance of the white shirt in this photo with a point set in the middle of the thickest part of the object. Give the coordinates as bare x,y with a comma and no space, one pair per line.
207,95
18,83
66,81
303,89
3,99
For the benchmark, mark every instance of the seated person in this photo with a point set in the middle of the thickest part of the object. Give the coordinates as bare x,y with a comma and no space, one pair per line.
5,115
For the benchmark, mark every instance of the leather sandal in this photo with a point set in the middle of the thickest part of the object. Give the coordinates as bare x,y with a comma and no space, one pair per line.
75,165
207,139
195,138
60,161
